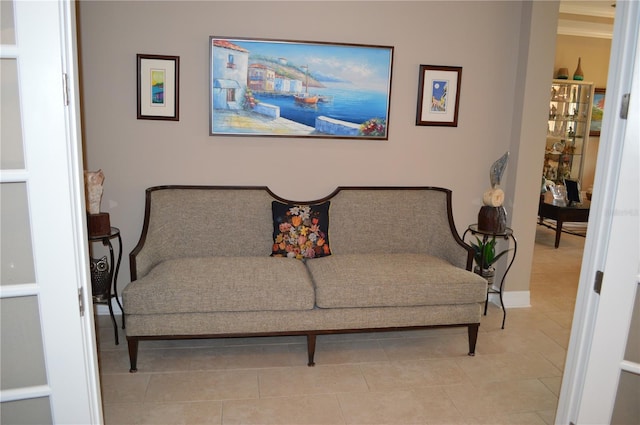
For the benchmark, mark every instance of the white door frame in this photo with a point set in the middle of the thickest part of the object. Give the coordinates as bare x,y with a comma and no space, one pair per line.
576,401
46,55
620,283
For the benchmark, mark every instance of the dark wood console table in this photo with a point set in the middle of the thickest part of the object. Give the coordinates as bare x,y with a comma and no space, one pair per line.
562,212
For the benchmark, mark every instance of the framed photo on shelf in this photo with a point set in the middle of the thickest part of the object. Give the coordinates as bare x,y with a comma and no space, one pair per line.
310,89
596,112
158,87
438,95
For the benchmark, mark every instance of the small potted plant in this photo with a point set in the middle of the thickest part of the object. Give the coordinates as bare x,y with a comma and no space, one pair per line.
485,256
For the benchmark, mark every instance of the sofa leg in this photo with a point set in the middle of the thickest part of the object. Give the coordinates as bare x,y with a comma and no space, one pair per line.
132,343
473,338
311,348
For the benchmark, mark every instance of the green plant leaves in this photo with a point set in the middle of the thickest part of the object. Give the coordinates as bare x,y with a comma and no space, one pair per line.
485,252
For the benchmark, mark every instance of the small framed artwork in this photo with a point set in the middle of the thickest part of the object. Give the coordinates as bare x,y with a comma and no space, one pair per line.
438,95
158,87
596,112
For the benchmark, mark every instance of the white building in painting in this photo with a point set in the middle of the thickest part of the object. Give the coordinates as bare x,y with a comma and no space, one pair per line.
229,66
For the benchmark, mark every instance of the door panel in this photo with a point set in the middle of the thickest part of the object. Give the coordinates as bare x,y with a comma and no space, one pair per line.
626,409
17,253
49,356
26,412
7,27
22,351
11,130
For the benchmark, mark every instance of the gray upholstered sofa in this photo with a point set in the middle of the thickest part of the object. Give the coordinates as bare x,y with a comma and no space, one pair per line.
203,266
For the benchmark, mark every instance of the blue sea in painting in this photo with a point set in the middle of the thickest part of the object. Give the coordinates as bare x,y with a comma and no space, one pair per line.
157,94
342,101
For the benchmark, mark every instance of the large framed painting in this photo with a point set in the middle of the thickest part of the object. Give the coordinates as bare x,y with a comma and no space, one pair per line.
438,95
596,112
279,88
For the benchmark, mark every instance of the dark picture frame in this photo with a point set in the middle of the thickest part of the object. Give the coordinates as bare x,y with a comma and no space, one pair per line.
597,110
284,88
438,95
158,80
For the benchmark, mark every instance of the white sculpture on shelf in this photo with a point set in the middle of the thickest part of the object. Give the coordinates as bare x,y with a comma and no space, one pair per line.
494,197
492,216
98,223
94,187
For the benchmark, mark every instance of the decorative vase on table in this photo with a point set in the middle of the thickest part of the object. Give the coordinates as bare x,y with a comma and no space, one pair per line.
492,219
563,74
578,74
488,274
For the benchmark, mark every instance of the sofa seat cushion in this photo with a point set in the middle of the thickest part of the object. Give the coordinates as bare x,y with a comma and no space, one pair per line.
388,280
221,284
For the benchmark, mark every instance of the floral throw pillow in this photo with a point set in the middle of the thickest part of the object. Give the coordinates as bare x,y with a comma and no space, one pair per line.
300,231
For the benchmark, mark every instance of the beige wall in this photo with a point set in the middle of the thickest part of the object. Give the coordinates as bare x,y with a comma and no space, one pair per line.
488,39
595,54
593,51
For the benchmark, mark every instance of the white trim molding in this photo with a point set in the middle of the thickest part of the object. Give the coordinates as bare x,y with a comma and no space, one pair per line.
512,299
589,8
585,29
587,18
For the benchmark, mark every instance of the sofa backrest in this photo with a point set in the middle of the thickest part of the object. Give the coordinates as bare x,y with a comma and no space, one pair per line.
394,220
200,221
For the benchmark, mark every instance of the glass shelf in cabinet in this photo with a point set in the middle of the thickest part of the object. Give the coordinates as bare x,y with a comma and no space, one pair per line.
565,101
568,120
563,154
559,138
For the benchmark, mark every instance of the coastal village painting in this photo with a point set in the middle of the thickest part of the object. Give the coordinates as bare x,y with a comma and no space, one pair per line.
299,89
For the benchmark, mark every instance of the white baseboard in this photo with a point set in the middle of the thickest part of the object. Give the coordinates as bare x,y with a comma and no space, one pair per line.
103,309
512,299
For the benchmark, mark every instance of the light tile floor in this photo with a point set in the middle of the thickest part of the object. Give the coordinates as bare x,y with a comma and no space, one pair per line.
413,377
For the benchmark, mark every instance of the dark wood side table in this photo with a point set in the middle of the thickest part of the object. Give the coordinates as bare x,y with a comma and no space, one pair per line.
562,212
506,235
111,289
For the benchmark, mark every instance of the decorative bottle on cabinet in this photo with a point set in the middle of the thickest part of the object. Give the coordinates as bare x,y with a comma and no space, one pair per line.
578,74
567,129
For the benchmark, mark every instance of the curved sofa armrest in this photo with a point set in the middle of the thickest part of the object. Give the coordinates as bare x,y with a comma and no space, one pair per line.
457,251
134,268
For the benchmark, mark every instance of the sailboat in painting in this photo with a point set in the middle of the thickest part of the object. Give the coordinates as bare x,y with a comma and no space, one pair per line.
306,98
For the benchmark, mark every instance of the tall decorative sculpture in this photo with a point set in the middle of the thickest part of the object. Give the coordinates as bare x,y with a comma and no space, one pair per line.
492,216
97,222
